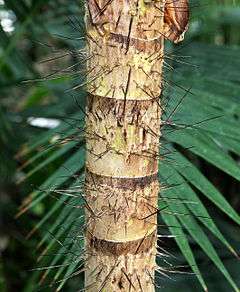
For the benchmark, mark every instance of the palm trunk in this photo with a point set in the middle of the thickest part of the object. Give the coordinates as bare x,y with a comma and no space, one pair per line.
125,41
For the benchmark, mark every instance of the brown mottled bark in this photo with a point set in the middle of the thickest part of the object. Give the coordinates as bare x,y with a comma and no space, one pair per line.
125,43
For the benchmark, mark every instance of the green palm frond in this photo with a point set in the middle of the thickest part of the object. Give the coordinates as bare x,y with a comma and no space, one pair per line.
205,123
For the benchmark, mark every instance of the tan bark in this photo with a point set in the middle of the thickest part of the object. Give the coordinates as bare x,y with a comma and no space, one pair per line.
125,43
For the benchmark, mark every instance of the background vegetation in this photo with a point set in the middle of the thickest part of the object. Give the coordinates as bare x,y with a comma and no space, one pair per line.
42,40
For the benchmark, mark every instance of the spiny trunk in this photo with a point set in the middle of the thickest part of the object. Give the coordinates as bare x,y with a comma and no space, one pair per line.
125,41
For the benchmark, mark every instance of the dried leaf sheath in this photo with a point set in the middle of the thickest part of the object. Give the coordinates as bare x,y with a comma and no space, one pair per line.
125,42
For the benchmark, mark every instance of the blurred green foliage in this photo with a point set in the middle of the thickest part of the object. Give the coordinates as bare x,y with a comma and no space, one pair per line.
38,40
